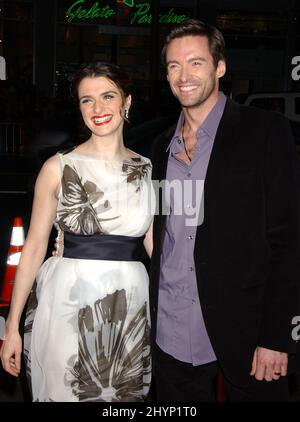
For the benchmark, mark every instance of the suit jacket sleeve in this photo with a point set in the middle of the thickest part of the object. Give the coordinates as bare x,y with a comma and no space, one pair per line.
282,221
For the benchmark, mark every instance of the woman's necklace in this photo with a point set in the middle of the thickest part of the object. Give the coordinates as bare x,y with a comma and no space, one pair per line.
184,146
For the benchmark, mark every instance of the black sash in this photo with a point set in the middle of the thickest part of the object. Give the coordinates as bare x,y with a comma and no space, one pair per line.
103,246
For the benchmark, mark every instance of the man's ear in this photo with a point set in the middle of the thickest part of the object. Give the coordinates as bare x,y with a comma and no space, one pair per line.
221,69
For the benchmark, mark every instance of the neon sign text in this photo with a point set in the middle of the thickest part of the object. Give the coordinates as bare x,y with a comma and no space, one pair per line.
140,13
76,12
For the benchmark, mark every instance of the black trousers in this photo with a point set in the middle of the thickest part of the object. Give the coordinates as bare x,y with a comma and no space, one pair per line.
178,381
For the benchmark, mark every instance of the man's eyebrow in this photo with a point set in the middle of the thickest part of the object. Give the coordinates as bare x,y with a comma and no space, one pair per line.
192,59
201,59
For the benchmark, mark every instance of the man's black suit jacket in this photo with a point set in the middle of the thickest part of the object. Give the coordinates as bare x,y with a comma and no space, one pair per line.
247,249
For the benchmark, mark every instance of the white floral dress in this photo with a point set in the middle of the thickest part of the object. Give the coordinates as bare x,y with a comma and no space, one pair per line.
87,325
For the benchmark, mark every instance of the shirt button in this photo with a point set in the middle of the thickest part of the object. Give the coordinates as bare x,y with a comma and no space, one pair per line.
179,141
189,175
191,237
191,268
193,301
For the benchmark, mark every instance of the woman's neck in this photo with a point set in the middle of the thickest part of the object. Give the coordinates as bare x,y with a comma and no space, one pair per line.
104,148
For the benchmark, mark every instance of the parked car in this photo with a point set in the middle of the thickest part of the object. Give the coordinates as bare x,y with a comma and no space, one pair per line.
286,103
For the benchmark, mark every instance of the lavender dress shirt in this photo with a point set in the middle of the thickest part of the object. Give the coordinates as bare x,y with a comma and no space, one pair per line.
181,331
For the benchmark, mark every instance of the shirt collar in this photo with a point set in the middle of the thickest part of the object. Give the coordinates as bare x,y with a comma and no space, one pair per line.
209,126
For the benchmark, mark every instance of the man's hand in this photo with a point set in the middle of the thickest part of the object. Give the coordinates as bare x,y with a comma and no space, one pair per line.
268,364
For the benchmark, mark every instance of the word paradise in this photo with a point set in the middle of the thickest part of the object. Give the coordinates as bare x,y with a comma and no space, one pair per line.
139,13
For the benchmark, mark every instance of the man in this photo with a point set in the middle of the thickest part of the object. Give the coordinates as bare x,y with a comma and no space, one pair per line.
223,291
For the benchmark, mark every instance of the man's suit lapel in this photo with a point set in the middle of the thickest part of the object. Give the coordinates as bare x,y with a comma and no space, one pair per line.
223,147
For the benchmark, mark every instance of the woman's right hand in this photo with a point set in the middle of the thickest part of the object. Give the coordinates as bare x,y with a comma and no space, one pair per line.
58,245
10,353
54,252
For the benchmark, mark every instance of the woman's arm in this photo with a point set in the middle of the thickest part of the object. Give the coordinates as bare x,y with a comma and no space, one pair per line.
148,241
33,254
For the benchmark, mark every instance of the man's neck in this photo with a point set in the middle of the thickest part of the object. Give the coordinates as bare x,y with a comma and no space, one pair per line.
195,116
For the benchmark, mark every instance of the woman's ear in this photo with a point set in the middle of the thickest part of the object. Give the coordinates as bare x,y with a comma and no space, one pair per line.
127,104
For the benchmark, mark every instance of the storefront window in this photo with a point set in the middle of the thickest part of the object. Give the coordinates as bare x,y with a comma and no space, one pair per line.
252,30
16,46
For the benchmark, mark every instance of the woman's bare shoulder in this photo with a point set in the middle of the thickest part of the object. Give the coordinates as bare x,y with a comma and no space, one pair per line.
52,164
50,173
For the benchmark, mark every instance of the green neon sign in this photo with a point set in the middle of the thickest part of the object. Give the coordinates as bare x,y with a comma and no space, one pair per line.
140,13
129,3
76,12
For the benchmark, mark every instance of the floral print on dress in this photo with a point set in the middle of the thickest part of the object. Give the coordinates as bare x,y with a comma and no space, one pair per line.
81,202
136,171
110,350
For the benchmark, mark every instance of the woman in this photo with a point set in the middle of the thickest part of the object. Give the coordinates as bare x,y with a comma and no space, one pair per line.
87,325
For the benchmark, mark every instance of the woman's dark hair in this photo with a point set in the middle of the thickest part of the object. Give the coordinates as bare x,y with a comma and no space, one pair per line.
196,27
107,70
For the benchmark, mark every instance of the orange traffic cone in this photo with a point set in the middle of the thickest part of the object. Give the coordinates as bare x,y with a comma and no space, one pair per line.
14,254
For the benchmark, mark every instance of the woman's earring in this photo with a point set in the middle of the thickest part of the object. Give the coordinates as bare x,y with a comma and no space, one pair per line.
126,113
